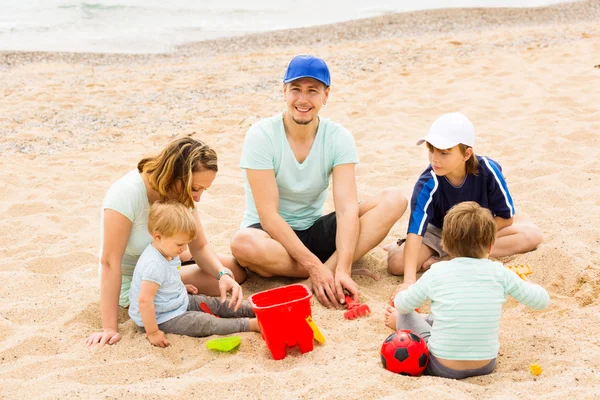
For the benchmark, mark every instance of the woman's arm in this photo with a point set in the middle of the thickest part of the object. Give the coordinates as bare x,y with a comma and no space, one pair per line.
205,256
117,228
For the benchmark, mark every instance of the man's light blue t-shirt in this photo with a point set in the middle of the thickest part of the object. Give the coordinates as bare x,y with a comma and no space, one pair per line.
171,300
302,186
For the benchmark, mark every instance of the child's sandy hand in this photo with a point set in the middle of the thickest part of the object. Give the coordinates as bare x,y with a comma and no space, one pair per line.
191,289
158,339
400,288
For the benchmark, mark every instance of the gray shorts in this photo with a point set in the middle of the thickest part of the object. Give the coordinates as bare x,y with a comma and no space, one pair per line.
433,240
197,323
416,323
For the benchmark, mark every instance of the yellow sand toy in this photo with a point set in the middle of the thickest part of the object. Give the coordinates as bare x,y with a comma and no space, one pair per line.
317,332
535,369
523,270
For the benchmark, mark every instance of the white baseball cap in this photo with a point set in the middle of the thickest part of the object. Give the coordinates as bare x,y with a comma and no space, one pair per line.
449,130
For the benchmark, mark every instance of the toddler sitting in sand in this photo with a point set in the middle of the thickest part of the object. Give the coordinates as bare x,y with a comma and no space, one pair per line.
160,302
466,296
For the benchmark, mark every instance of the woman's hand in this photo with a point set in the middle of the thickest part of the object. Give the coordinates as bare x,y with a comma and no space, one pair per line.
101,338
228,284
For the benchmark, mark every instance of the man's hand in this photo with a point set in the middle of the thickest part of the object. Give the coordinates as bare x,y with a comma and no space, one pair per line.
158,339
191,289
344,281
323,285
228,284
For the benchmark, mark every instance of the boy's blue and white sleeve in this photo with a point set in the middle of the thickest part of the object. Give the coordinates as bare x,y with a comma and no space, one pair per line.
258,150
421,203
154,272
416,294
500,201
530,294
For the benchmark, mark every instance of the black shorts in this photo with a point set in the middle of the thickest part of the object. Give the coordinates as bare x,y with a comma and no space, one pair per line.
319,238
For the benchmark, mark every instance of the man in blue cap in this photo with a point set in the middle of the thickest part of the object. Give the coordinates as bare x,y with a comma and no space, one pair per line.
287,160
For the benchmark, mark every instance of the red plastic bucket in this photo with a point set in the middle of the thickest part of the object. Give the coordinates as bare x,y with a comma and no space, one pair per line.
282,314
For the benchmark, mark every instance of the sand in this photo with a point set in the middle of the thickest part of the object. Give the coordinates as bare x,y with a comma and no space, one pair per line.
71,124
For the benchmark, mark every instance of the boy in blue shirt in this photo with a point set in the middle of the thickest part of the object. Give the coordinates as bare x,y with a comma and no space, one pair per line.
456,175
159,301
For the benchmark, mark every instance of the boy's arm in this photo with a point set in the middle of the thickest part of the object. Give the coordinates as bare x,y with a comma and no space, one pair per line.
412,247
530,294
421,212
503,222
413,297
148,291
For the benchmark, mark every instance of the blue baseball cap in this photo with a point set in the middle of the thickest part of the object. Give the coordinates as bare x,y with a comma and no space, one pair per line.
306,66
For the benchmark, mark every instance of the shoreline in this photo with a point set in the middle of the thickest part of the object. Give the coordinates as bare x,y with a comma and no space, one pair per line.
405,24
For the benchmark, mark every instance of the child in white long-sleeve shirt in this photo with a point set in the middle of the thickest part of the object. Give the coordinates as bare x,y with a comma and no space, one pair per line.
467,294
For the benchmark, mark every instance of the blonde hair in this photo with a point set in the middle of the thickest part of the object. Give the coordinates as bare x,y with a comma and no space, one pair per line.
469,230
170,218
472,165
176,163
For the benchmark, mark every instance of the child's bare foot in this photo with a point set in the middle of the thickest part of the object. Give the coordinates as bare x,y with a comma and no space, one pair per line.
390,317
253,325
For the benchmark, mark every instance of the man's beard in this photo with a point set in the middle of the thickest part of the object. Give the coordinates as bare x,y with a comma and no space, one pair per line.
302,122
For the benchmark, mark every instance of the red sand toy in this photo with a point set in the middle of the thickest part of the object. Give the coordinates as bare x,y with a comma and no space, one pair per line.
204,307
355,310
282,314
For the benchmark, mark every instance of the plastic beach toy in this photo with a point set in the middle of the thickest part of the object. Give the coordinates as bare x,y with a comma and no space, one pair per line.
317,332
281,314
535,369
355,309
224,344
523,270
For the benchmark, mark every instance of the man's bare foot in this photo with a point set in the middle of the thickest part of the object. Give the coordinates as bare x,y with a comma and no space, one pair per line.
365,272
390,317
390,246
253,325
428,263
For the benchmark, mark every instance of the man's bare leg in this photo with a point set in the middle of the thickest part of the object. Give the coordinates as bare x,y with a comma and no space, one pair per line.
256,250
207,284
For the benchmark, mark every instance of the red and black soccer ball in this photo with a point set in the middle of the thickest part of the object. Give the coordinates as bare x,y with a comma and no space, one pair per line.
404,352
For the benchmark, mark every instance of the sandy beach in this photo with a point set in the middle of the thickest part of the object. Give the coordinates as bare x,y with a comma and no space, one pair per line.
71,124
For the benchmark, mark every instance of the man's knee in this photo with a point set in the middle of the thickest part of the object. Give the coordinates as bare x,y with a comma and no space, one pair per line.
243,245
396,203
257,270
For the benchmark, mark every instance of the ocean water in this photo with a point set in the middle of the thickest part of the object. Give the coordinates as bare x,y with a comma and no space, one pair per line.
156,26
